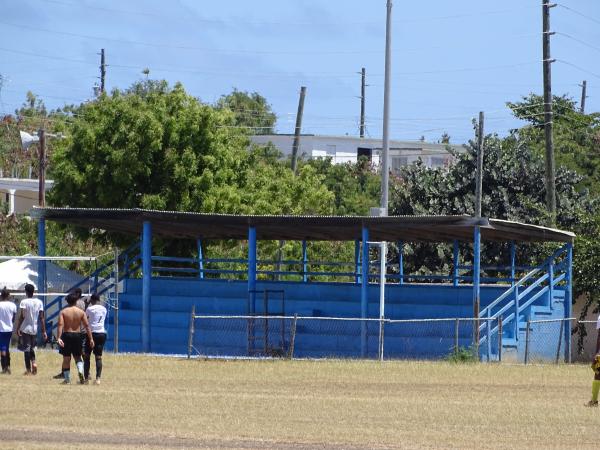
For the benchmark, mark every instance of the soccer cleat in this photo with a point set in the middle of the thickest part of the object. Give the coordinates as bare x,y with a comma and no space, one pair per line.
592,404
27,373
60,376
33,368
97,381
87,381
7,372
81,378
65,381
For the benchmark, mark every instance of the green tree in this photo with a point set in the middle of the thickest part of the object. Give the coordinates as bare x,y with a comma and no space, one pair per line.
251,111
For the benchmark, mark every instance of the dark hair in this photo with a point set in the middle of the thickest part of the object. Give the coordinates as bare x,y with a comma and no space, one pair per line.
4,294
94,298
71,299
29,289
77,292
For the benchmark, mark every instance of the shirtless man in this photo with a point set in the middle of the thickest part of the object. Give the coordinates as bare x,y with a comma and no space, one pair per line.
69,337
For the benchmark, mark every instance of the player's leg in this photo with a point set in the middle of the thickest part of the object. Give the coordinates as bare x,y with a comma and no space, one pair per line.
77,350
32,358
595,390
99,340
66,368
25,347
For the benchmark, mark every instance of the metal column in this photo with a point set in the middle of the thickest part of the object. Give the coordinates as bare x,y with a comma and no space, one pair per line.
146,284
41,266
304,262
456,259
252,268
200,259
568,302
401,262
476,283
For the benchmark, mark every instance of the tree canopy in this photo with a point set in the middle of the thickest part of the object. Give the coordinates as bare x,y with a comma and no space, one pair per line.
251,111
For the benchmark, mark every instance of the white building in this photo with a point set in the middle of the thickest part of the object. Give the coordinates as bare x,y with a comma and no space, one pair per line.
19,194
343,149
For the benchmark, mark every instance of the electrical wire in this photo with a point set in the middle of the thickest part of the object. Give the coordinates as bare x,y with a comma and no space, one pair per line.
578,13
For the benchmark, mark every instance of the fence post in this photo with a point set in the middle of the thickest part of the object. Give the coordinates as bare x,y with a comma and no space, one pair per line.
191,332
476,331
516,318
293,337
456,263
560,334
381,337
456,328
527,342
500,339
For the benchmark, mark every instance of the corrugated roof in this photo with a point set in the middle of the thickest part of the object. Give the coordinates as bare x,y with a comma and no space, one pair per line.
191,225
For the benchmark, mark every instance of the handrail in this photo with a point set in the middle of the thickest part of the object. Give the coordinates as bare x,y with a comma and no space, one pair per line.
519,283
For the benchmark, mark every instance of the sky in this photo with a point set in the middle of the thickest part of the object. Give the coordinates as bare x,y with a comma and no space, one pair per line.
451,59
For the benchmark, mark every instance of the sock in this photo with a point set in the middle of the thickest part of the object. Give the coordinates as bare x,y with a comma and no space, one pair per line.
3,362
27,361
32,354
595,390
86,368
98,368
80,367
8,360
67,374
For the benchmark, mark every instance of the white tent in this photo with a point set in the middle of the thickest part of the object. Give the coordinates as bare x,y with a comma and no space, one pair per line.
16,273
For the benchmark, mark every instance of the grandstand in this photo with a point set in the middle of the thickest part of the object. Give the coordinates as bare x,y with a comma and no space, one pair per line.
246,305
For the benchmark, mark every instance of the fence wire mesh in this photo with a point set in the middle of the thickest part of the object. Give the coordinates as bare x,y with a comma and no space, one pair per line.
345,338
586,335
545,341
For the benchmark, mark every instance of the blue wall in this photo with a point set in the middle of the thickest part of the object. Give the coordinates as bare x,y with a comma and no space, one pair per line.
172,300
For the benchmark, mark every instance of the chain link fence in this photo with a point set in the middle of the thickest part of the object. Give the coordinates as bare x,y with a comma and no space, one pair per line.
349,338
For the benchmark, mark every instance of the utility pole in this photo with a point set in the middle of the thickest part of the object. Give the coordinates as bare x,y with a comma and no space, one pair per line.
583,96
385,160
548,114
298,131
362,101
42,169
479,172
102,71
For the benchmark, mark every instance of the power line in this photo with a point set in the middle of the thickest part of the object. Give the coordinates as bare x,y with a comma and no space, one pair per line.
578,40
579,13
578,68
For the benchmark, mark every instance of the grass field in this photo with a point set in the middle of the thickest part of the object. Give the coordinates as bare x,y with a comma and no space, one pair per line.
155,402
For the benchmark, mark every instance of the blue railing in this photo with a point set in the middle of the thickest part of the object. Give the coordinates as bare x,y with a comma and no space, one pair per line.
515,301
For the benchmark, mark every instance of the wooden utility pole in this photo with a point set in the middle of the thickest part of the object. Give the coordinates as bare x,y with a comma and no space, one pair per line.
479,172
42,169
298,131
362,101
583,96
548,114
102,71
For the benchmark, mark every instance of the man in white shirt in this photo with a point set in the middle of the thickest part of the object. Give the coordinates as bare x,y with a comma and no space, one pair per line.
96,314
30,311
8,310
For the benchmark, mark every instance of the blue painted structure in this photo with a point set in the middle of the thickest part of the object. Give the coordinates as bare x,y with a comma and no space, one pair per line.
155,309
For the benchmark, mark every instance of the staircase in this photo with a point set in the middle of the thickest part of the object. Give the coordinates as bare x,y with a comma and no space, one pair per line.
539,295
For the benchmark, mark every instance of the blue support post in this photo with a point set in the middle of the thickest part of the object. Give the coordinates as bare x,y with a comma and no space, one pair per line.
200,259
357,261
364,291
568,302
304,262
550,282
146,284
456,262
476,282
513,262
252,268
401,262
41,265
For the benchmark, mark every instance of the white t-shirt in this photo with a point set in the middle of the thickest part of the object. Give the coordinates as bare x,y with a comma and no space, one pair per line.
7,313
30,308
96,315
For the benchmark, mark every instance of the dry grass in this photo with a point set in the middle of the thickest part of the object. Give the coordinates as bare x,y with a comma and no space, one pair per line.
174,403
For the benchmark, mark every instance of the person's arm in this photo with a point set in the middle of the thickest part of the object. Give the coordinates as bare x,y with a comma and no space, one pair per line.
88,330
20,321
61,325
42,319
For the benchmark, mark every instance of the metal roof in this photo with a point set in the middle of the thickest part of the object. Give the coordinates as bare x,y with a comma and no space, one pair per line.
190,225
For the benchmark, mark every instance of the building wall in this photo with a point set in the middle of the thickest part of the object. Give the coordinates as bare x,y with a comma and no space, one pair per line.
343,149
24,193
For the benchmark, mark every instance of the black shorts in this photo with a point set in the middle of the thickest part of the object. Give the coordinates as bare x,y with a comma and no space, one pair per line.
99,341
83,339
73,344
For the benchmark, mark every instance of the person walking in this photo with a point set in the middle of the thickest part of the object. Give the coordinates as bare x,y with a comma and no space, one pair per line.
8,311
31,310
96,314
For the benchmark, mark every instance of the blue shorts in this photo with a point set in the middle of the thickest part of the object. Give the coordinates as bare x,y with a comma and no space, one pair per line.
5,340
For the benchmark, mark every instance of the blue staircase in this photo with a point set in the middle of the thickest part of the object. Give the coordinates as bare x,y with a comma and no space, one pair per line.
537,296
